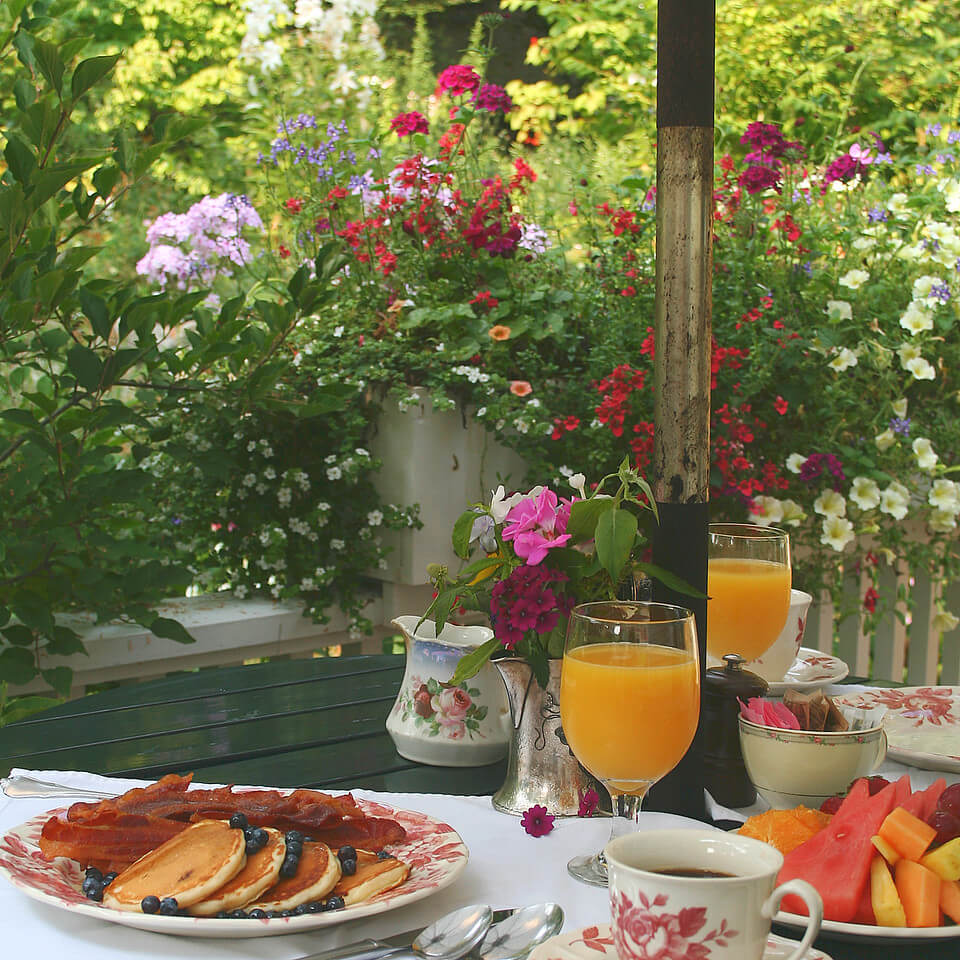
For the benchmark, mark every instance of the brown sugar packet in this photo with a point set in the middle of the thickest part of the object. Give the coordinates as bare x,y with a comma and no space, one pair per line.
836,721
799,705
819,710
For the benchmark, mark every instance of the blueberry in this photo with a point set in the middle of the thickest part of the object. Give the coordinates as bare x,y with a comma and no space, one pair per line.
93,889
257,839
238,914
294,836
348,867
257,914
300,909
315,907
93,872
286,913
222,915
169,907
347,853
384,855
109,878
273,914
239,821
294,848
150,904
289,866
335,903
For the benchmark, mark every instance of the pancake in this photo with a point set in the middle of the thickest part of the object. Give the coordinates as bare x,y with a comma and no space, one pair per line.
316,876
261,872
190,867
373,876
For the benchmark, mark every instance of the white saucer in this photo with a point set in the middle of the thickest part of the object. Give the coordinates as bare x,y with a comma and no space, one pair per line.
591,943
811,669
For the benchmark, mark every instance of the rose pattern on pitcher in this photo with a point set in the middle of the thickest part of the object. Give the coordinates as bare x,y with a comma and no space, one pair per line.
432,849
643,933
440,711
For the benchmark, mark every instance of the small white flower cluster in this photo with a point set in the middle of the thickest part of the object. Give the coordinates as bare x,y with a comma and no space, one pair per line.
472,373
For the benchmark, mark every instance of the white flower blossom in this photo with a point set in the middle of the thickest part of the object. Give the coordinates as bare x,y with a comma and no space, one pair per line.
830,503
837,532
899,407
854,279
338,331
923,285
865,493
916,318
945,495
250,479
839,310
945,621
951,194
765,511
578,481
897,205
844,359
337,544
334,473
907,352
795,462
895,500
921,369
942,521
793,514
239,591
924,452
270,473
374,518
521,425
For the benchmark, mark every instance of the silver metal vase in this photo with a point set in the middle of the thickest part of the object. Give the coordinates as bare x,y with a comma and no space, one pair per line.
541,768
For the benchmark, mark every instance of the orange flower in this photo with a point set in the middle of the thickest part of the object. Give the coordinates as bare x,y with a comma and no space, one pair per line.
520,388
499,332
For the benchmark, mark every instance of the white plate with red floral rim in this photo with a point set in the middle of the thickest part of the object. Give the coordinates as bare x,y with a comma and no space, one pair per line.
434,851
922,724
811,669
591,943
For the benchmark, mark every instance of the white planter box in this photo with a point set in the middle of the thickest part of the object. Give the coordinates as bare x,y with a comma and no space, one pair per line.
443,462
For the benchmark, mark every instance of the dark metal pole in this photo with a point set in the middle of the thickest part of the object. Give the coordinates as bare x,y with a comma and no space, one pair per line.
681,455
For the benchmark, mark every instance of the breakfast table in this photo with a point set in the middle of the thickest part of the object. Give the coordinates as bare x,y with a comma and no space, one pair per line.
313,723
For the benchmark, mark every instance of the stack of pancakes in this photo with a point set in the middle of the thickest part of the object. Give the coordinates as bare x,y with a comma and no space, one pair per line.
207,870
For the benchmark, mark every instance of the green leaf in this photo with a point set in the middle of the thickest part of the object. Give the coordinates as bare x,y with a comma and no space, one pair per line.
19,635
171,630
25,93
95,310
461,534
20,158
616,533
60,679
22,707
105,179
584,515
470,663
17,666
47,57
23,418
125,149
670,580
85,365
89,73
53,178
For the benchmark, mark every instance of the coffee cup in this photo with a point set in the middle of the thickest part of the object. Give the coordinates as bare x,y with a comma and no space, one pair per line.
774,663
672,890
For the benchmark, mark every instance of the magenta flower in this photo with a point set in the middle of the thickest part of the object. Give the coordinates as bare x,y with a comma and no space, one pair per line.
526,600
458,79
537,525
589,803
536,821
759,177
493,98
404,124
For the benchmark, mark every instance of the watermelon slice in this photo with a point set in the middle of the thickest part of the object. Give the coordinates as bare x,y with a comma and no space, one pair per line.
924,802
837,859
864,912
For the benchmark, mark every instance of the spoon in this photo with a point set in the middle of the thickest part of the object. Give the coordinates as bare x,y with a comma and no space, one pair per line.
448,938
515,937
22,786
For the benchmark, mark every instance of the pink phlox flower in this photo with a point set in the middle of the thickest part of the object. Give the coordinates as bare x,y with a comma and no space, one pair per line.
526,600
493,98
537,525
759,177
536,821
458,79
404,124
589,803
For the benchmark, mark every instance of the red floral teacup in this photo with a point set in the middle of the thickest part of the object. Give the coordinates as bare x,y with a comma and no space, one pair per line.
698,895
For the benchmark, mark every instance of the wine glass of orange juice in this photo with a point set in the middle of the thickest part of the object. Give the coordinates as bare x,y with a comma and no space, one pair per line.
629,702
748,581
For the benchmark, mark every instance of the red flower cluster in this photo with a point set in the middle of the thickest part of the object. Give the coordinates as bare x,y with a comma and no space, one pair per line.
405,124
561,424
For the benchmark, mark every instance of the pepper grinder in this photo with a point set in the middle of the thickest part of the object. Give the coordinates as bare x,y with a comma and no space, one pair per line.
725,774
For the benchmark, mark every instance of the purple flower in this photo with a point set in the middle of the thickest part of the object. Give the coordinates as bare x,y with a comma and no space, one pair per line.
940,291
458,79
493,98
759,177
815,465
526,600
900,425
934,129
536,821
844,169
877,215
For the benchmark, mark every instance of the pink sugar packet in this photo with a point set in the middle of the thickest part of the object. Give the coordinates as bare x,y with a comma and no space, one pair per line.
768,713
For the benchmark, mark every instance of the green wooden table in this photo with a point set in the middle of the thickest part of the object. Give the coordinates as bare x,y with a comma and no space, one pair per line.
314,723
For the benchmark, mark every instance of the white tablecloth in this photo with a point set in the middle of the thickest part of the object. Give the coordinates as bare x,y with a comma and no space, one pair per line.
506,868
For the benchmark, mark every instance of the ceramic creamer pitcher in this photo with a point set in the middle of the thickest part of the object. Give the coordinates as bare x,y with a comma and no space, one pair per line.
462,726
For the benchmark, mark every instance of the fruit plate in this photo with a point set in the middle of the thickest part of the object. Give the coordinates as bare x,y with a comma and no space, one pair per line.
922,724
811,669
591,943
434,851
836,930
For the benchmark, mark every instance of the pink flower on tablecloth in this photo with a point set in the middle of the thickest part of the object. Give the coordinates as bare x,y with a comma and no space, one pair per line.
536,821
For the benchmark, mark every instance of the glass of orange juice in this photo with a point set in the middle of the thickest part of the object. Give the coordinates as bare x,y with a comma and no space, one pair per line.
629,702
748,581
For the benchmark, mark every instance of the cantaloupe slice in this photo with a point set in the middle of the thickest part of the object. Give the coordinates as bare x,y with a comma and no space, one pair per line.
945,860
887,908
919,891
884,849
950,899
907,834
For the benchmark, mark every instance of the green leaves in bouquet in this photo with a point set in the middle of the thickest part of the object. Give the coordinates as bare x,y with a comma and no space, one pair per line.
461,534
615,536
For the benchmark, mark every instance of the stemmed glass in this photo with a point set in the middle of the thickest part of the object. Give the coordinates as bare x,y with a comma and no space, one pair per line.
748,581
629,703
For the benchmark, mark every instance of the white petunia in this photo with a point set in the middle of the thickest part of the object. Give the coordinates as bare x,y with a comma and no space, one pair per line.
945,495
945,621
921,369
839,310
907,352
923,285
916,318
864,243
942,521
897,205
766,511
854,279
795,462
899,407
865,493
793,513
837,532
844,359
830,503
913,252
578,481
951,194
895,500
925,454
